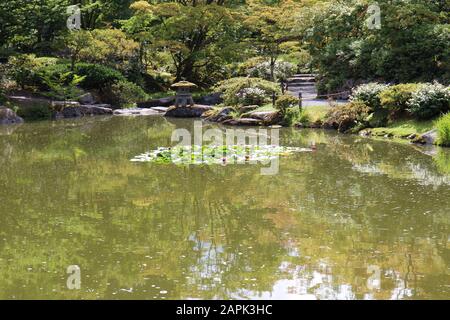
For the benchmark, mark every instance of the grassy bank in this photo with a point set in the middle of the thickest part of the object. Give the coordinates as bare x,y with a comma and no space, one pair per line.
403,128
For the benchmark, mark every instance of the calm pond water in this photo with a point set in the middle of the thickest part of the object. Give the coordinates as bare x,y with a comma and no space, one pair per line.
357,219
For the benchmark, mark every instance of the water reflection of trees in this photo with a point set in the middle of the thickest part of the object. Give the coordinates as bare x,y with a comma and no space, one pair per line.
139,230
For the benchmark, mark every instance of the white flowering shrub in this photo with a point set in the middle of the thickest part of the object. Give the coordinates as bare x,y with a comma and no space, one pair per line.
429,101
251,96
282,70
246,91
369,94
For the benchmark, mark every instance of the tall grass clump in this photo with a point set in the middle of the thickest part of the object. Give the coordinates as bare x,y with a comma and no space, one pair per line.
443,128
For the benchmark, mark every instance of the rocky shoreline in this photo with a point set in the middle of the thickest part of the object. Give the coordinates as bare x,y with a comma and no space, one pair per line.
243,116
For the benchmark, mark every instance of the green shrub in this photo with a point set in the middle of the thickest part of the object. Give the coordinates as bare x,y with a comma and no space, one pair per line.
290,110
378,118
286,101
97,76
2,96
245,91
304,118
291,116
350,117
124,94
430,100
52,71
63,86
395,99
443,128
22,69
369,94
34,112
252,96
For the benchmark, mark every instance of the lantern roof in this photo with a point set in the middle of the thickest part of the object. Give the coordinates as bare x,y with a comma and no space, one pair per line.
184,84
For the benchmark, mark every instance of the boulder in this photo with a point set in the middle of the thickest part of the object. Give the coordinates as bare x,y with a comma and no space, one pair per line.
82,110
163,102
96,109
243,122
7,116
25,101
260,115
222,115
136,112
65,104
195,111
160,109
69,112
87,99
267,117
66,109
429,137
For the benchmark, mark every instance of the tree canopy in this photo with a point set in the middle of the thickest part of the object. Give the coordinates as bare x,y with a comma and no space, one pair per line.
156,42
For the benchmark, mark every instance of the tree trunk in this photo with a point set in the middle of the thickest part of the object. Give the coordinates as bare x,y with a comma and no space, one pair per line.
272,68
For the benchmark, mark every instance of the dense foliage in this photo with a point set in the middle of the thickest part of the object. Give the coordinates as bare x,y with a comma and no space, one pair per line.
134,48
350,117
97,76
247,91
411,43
286,101
395,98
369,94
375,105
429,101
289,108
124,94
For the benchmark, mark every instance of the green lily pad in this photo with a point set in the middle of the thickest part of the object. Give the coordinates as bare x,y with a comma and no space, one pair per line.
182,155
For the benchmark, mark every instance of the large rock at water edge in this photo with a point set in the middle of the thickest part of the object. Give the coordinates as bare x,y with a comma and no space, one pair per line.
429,137
136,112
222,115
60,105
195,111
83,110
87,99
267,117
243,122
163,102
160,109
7,116
96,109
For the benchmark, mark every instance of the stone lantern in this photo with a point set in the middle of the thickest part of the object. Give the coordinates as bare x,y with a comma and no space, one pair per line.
184,96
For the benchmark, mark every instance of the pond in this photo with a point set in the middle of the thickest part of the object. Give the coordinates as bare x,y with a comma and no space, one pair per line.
356,219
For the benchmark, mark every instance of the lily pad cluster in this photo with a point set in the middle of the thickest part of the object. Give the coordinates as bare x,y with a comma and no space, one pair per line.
216,154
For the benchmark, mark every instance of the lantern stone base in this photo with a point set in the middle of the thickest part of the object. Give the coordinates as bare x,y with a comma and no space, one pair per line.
194,111
184,101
